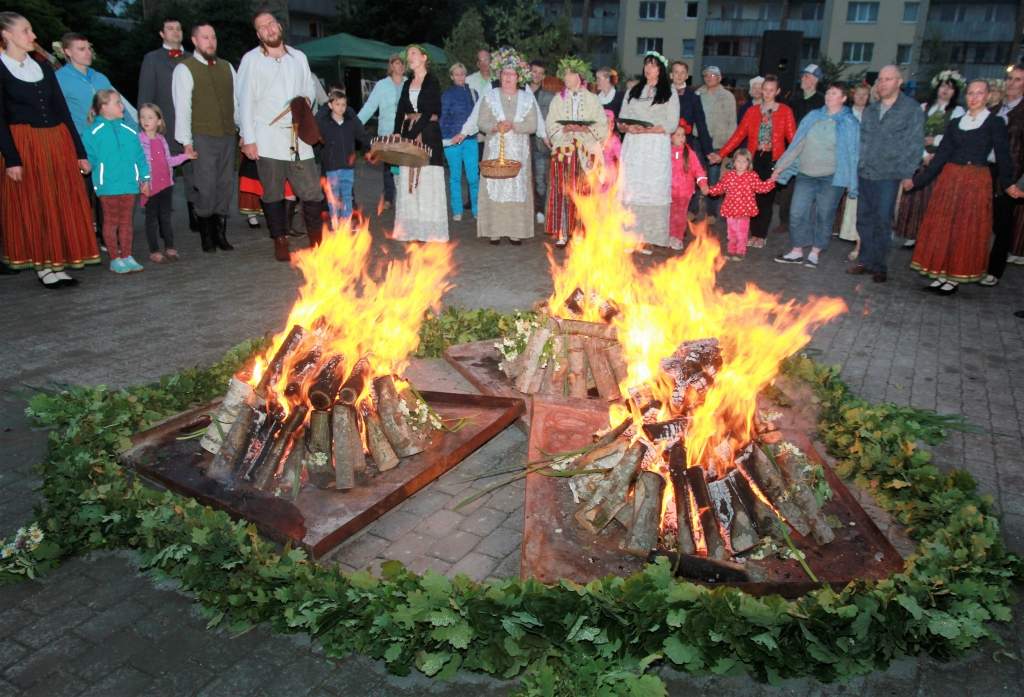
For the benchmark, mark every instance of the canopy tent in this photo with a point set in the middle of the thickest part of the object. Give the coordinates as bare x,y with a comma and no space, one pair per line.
343,50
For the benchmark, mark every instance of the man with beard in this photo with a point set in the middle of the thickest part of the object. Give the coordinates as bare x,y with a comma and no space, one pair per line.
155,79
270,76
203,89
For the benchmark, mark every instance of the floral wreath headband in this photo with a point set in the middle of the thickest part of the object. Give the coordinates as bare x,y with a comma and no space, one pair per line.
949,76
655,54
575,65
507,58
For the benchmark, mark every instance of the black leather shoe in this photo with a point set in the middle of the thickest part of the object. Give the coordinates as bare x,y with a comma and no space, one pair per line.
515,242
220,233
496,240
1019,313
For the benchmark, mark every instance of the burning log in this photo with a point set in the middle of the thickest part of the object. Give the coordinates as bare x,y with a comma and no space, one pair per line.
531,356
768,480
557,369
577,367
260,437
607,386
324,389
299,371
273,369
383,454
763,517
617,363
237,395
403,437
291,475
223,466
643,529
574,303
611,493
698,488
732,516
592,329
276,452
677,475
700,568
356,382
317,458
348,447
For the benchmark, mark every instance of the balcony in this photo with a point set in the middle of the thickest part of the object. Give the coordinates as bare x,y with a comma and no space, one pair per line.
810,27
969,31
741,27
599,26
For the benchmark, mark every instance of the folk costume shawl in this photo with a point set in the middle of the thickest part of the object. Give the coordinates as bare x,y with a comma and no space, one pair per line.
578,106
517,146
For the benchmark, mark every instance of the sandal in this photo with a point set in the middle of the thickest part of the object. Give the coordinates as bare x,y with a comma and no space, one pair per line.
157,258
171,254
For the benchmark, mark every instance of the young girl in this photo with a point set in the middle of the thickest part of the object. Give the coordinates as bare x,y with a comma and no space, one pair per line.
119,171
687,175
161,164
739,184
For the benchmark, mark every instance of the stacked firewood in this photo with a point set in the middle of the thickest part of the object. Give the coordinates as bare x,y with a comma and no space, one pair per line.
571,357
723,506
335,418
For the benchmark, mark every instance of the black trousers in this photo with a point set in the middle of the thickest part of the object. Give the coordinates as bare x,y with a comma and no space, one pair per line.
1003,209
158,220
94,201
759,224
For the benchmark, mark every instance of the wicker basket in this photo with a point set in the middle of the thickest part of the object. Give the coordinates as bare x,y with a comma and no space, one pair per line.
402,153
500,168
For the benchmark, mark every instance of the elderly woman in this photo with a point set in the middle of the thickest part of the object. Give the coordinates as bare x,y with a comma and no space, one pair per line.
649,115
508,115
953,242
44,211
823,156
420,209
577,128
753,97
457,104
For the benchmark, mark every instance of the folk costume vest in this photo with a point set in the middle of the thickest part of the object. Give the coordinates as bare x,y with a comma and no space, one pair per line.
213,102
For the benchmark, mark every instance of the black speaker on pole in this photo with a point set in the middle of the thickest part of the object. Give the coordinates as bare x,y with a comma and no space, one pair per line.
780,54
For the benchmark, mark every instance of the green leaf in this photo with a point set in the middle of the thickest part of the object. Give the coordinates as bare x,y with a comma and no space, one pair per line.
458,635
646,686
944,626
680,653
432,662
909,604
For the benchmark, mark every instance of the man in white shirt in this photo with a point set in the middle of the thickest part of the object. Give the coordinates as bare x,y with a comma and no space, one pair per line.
203,91
270,76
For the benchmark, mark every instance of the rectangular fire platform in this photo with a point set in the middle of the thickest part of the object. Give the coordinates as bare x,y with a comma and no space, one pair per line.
319,519
555,546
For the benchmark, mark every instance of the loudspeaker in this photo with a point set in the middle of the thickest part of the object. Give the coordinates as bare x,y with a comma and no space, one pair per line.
780,54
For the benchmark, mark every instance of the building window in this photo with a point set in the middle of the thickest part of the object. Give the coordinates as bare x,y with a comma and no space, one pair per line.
810,49
952,13
652,11
857,52
744,46
689,48
812,10
692,8
862,12
910,10
769,11
732,11
648,43
903,54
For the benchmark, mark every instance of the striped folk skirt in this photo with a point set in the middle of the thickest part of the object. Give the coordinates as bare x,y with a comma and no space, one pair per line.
565,178
46,219
953,241
910,214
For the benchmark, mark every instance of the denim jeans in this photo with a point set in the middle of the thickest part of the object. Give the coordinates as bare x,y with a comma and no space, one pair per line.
340,201
877,199
463,155
813,210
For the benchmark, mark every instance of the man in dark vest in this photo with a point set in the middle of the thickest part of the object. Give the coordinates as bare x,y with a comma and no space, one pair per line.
155,88
203,88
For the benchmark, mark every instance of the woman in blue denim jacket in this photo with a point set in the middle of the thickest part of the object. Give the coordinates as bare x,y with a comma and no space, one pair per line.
457,104
823,157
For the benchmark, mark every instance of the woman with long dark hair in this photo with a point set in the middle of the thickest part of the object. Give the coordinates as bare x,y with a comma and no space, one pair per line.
45,214
649,115
939,110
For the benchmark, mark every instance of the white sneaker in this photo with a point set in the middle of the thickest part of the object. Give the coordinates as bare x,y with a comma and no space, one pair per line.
539,218
1013,259
909,243
457,217
675,243
989,281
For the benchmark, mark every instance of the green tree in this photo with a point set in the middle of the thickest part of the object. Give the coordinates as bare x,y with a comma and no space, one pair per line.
520,24
839,71
466,39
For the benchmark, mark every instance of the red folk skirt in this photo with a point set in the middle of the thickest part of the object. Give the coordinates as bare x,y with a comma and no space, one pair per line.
954,237
250,190
565,178
910,215
46,219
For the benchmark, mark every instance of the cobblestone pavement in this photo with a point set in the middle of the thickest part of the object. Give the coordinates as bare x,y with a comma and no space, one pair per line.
95,626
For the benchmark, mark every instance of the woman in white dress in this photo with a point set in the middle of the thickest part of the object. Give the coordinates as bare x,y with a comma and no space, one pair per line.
421,206
508,113
646,184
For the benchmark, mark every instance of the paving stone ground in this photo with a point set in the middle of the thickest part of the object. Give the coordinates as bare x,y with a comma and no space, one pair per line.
97,627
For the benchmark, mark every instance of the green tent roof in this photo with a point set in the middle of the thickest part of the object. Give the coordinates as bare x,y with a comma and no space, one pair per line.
346,50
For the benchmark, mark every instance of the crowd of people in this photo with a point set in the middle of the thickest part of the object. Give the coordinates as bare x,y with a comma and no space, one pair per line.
859,163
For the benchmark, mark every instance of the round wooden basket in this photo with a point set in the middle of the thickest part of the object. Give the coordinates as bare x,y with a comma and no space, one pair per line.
500,168
402,153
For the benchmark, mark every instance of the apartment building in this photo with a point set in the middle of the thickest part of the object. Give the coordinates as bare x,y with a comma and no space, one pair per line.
601,26
977,37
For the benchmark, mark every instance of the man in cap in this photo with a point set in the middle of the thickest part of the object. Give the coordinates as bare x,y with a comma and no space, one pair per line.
803,100
720,113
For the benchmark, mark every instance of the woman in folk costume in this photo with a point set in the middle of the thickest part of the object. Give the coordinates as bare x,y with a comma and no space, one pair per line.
421,206
953,242
508,113
577,128
939,110
646,184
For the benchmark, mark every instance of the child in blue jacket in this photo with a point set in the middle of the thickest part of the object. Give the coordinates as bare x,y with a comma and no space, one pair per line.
120,171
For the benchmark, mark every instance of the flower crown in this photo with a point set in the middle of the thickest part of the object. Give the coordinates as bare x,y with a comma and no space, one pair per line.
655,54
507,58
576,65
949,76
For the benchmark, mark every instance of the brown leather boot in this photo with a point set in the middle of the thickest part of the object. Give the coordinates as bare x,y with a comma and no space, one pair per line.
281,251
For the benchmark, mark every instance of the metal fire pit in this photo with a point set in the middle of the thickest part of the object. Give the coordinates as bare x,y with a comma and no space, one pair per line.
320,519
555,546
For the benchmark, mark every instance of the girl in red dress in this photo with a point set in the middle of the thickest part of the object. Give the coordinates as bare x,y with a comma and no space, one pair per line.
687,176
739,185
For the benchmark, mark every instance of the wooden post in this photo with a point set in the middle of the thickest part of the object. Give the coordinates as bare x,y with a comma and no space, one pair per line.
273,369
398,430
763,517
354,384
643,529
592,329
763,474
531,355
732,516
383,454
222,466
348,447
318,450
804,498
324,389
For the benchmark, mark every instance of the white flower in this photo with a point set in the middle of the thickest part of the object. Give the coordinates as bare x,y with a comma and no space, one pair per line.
7,551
